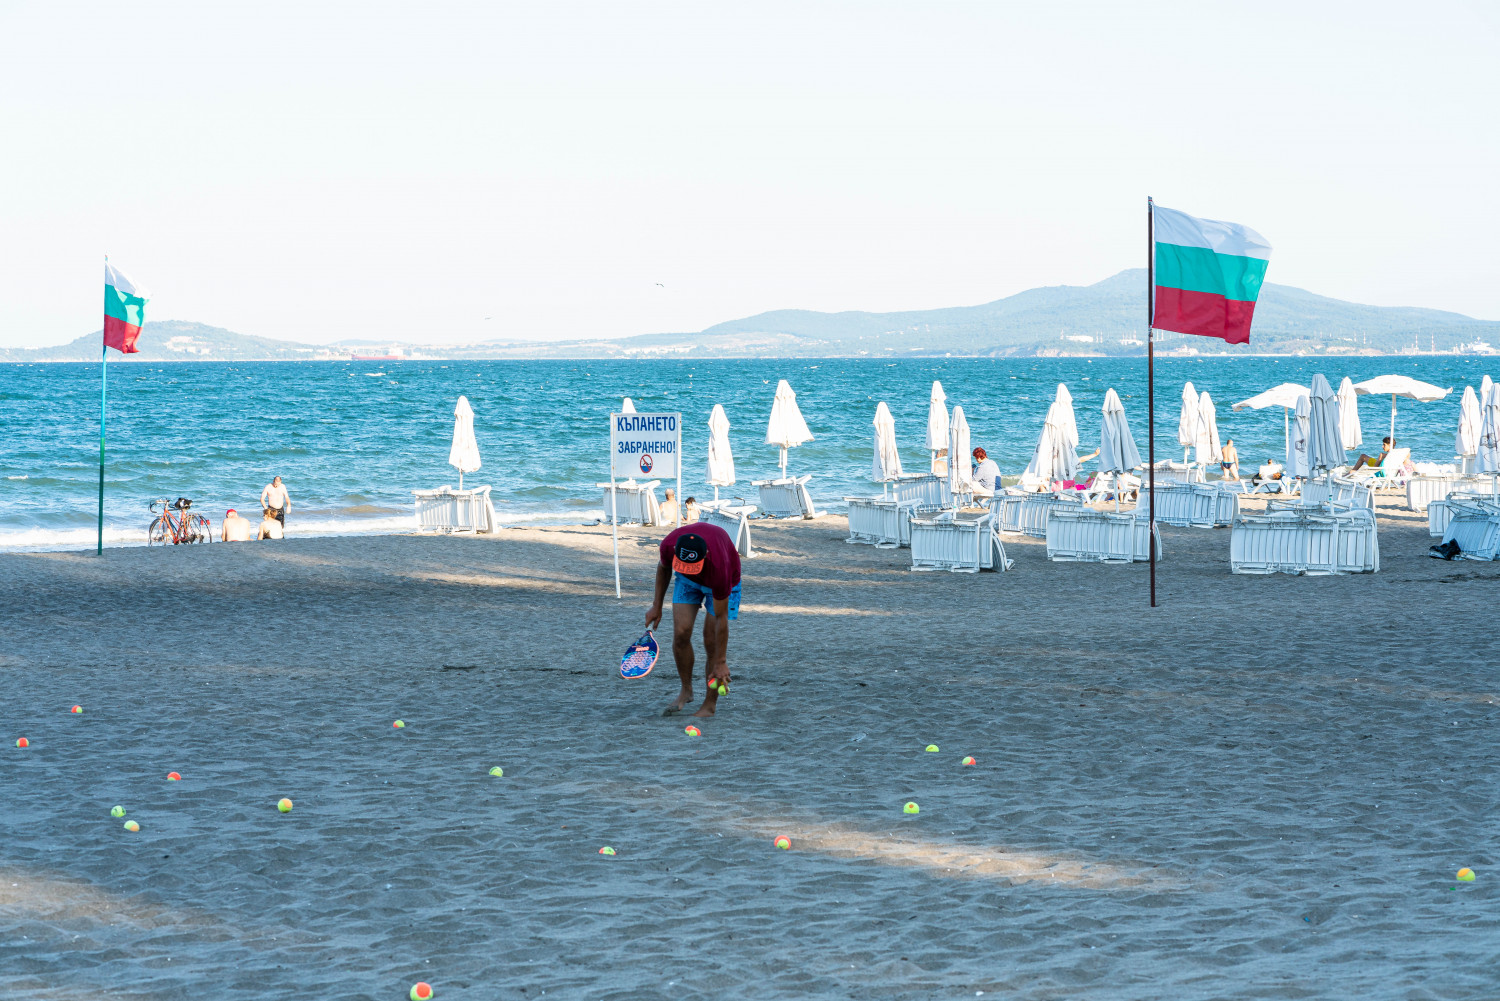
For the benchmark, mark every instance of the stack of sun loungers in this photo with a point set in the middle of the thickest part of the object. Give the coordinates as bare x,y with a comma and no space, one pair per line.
1195,505
1473,523
732,518
1330,492
449,510
1019,513
1086,535
786,498
1305,540
1423,490
884,521
1439,512
963,542
636,502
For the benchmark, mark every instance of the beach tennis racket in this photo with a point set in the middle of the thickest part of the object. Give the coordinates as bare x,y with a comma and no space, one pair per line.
640,657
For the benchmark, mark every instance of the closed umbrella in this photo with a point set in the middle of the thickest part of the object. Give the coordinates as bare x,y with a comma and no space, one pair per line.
786,429
1489,433
1349,432
1117,451
1187,422
937,423
464,454
1283,396
1296,448
720,458
960,478
1400,385
887,462
1066,421
1054,458
628,407
1470,423
1207,443
1325,447
1484,391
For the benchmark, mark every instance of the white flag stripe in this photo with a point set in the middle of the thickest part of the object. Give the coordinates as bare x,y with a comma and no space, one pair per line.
114,276
1220,237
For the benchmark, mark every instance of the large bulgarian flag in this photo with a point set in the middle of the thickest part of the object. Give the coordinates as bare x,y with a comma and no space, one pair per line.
1208,275
124,310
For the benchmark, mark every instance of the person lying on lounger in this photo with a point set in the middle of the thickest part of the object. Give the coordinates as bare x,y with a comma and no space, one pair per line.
1385,450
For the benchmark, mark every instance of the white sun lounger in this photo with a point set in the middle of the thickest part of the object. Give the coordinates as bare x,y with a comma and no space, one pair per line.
786,498
1090,536
1387,475
449,510
1305,542
637,502
930,491
1191,505
1475,526
884,522
1440,512
1423,490
960,542
1026,513
732,518
1329,493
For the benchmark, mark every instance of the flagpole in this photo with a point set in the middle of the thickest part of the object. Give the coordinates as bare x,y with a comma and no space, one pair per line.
103,389
1151,389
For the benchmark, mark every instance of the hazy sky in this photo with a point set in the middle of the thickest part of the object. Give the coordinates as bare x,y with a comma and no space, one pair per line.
320,171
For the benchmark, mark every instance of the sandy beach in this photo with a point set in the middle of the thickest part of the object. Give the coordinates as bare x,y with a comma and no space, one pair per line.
1260,789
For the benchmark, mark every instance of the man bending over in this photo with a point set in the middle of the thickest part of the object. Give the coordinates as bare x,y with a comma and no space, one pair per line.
708,573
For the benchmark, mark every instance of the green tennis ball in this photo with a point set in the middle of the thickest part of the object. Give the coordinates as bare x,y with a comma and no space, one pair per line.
399,724
284,805
911,808
932,748
606,850
1466,875
420,991
132,826
497,771
117,812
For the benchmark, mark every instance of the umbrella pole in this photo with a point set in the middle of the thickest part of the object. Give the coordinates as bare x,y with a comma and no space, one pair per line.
103,388
614,527
1393,420
783,462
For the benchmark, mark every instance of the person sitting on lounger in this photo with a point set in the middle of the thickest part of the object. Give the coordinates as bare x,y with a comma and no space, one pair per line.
986,472
1270,472
1367,461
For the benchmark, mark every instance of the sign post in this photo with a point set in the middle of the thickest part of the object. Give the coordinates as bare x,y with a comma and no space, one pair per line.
646,445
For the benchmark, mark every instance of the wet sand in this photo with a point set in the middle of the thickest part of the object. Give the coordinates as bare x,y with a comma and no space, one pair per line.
1226,797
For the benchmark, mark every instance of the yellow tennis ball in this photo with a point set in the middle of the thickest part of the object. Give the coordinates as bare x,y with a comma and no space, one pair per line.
783,842
1466,875
284,805
117,812
932,748
132,826
497,771
911,808
606,850
399,724
969,761
692,731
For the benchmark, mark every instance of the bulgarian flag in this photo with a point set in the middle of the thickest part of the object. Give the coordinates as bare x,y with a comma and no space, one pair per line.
1208,275
124,310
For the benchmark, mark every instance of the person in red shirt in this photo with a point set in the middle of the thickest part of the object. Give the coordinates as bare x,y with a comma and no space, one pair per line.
708,573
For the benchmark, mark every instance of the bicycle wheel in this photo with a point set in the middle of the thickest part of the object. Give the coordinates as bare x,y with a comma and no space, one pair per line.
159,534
203,528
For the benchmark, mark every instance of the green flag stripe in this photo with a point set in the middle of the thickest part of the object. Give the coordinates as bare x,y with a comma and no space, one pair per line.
130,308
1198,269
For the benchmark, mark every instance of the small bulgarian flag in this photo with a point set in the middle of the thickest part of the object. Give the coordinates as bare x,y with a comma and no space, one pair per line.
1208,275
124,310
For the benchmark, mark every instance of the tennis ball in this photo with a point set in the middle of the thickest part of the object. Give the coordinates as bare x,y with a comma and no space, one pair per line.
783,842
76,709
420,991
932,748
692,731
497,771
132,826
399,724
606,850
911,808
117,812
969,761
173,777
723,688
23,742
1466,875
284,805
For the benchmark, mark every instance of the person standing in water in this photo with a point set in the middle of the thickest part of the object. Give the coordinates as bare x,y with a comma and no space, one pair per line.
275,497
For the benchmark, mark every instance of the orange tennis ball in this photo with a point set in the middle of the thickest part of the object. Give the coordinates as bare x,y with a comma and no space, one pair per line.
420,991
969,761
132,826
1465,875
23,742
783,842
284,805
173,777
76,709
692,731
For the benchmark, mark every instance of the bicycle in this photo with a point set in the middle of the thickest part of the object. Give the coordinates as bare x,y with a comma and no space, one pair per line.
184,528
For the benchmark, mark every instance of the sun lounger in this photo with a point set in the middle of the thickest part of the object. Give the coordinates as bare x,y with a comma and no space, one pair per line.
884,522
1191,505
1387,475
1305,542
960,542
932,491
732,518
1475,526
1026,513
449,510
1330,493
786,498
637,502
1423,490
1092,536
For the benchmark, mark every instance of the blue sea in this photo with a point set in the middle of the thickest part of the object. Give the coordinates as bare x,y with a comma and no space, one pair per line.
353,439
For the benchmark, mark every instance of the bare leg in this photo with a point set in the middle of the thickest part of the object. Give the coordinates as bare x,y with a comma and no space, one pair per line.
683,617
712,656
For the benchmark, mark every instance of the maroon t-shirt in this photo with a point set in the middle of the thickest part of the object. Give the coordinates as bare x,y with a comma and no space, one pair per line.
721,569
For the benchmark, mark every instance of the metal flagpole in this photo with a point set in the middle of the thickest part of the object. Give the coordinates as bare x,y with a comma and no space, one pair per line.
103,385
1151,387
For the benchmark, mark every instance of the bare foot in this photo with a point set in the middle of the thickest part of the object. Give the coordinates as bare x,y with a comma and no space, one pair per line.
710,702
683,698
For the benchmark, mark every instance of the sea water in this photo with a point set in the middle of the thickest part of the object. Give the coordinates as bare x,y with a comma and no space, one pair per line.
352,440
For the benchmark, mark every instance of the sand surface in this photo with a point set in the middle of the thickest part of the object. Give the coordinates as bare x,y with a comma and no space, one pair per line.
1261,789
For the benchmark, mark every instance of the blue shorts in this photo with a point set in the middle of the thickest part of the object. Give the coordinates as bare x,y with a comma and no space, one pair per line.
685,592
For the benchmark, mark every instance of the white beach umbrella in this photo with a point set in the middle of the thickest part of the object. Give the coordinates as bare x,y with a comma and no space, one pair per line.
1484,391
1489,433
1296,446
1117,450
1283,396
960,478
1054,458
887,462
1470,421
464,454
1187,422
786,428
937,422
1400,385
1066,421
720,458
1325,446
1207,443
1349,431
628,407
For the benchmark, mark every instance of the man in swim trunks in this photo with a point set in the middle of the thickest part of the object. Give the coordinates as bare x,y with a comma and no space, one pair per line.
275,497
708,573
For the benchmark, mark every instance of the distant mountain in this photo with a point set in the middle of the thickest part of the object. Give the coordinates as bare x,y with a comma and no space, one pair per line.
1106,318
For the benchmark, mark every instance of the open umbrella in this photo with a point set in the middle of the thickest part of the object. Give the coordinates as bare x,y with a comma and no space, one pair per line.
1349,432
1296,446
960,479
1187,422
1117,451
1470,423
720,458
1400,385
887,461
786,429
1325,446
1207,442
464,454
1283,396
937,423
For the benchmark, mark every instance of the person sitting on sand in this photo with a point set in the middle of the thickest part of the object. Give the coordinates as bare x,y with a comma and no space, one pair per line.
1229,460
236,529
986,472
708,573
1385,450
270,528
690,510
668,508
